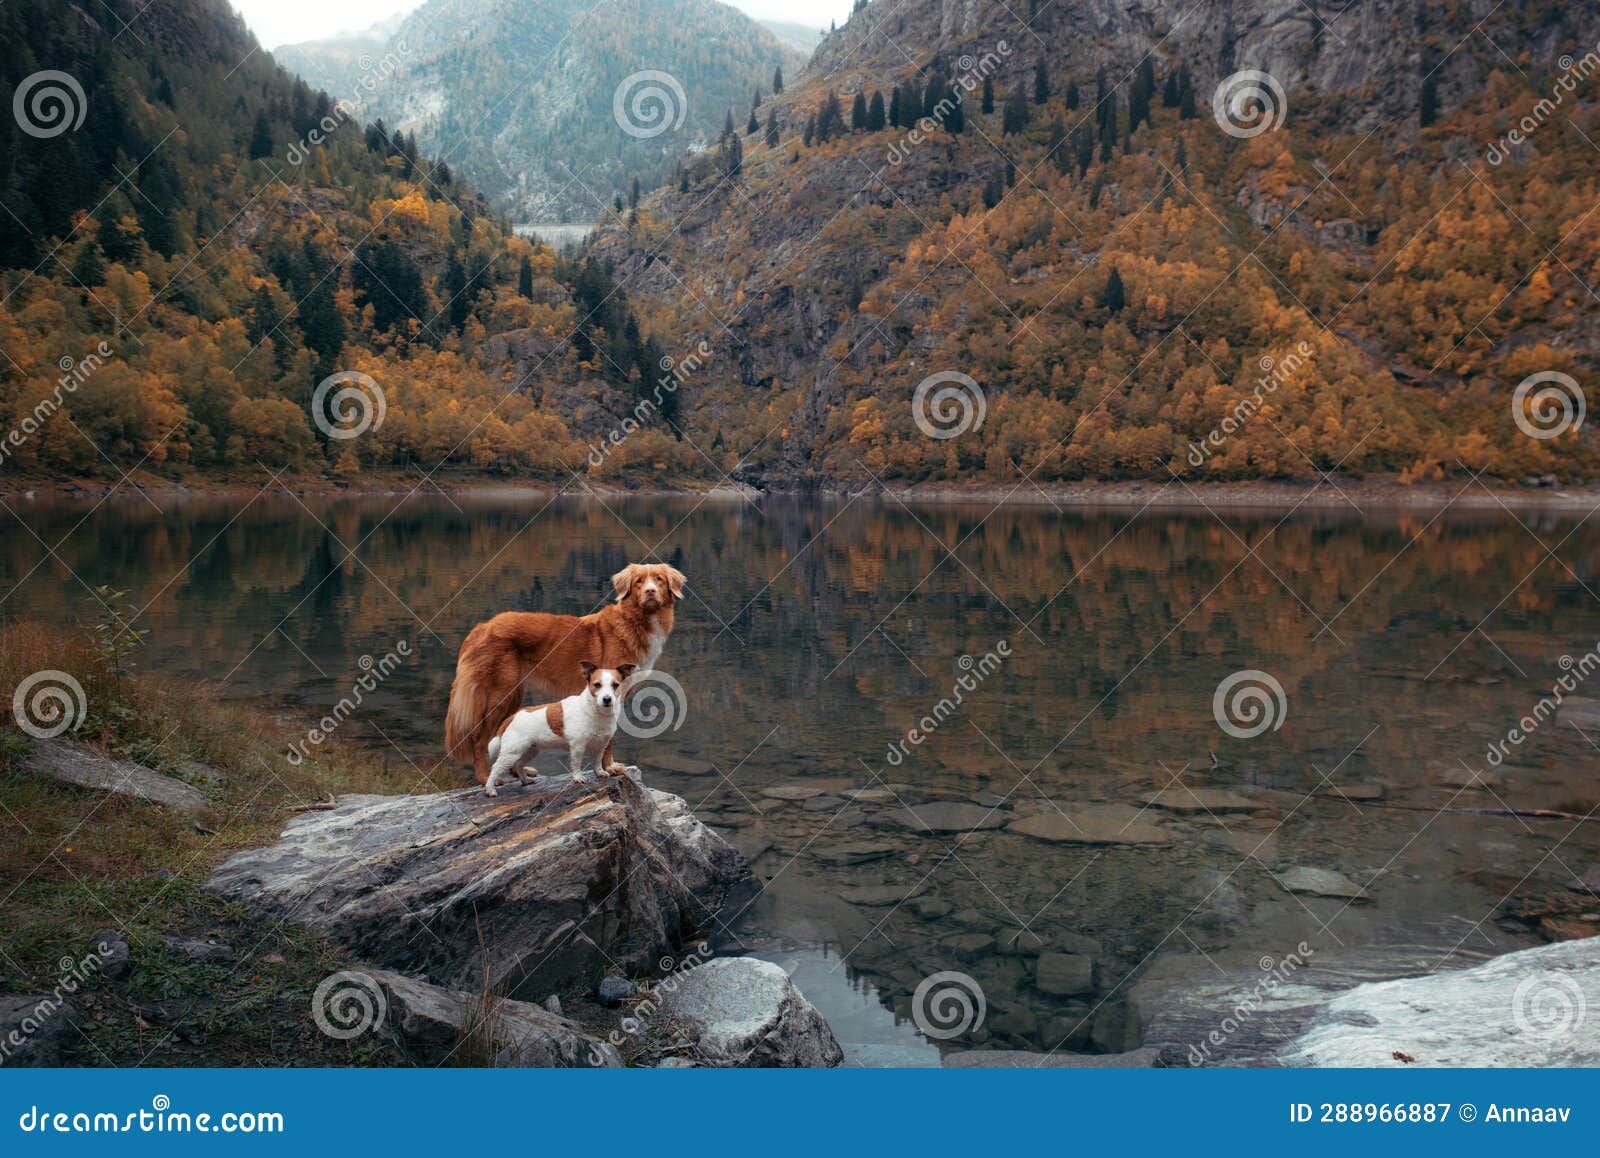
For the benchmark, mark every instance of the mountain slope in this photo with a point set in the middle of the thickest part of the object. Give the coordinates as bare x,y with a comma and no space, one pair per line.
198,241
1360,285
522,95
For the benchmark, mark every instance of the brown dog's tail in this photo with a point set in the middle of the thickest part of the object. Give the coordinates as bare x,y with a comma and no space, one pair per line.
464,717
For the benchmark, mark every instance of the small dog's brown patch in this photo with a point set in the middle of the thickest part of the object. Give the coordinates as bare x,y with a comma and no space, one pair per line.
553,716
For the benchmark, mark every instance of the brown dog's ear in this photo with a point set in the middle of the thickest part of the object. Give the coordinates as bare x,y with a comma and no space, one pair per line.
675,580
625,670
588,668
623,580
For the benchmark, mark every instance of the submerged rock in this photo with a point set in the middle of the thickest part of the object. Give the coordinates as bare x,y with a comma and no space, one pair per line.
1018,1059
1092,824
1319,882
746,1012
556,884
941,816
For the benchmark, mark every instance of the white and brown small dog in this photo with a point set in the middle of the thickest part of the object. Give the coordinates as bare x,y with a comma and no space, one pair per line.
582,724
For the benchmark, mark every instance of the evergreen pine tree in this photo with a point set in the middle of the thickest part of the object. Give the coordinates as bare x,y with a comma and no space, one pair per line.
895,114
772,128
777,80
988,96
1115,297
89,267
1429,108
811,131
525,278
753,125
1073,100
1169,93
261,136
633,194
858,113
956,119
1015,117
875,115
1041,82
1186,109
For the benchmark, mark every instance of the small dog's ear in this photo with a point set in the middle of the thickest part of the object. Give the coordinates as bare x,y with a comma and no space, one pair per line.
588,668
675,580
625,670
623,580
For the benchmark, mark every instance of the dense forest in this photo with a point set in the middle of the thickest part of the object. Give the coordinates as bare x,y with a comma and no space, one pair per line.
214,238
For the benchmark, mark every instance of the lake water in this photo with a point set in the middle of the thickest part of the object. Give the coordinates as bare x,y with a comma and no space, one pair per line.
815,635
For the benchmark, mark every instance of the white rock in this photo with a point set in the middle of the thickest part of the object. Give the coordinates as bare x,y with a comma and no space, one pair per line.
745,1012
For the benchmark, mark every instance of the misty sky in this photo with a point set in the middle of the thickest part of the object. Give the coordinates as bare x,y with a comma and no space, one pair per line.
278,22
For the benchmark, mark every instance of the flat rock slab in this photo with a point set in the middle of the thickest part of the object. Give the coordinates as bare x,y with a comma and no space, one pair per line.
744,1012
941,816
1187,800
1064,974
1358,793
72,763
1470,779
561,883
1092,824
1533,1007
853,852
878,896
1021,1059
1316,882
432,1021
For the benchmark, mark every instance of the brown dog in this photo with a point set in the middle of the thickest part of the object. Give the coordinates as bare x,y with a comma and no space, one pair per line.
518,650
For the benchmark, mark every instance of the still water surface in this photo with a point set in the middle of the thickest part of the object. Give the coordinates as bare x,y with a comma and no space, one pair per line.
816,635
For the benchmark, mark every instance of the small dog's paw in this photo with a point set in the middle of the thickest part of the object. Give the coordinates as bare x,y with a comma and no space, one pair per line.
488,790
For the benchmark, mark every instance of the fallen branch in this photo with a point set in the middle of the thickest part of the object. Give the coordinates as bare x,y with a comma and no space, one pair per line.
325,805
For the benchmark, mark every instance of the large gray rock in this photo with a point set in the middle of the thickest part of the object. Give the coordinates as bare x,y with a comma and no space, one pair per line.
557,884
37,1029
745,1012
433,1022
1534,1007
77,764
